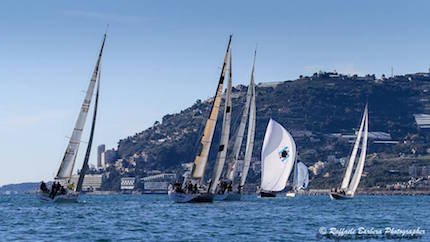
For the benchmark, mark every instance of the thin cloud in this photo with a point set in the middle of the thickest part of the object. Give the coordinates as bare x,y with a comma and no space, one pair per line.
106,17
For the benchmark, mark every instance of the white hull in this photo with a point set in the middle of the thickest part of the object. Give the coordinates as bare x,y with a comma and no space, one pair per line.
70,197
291,194
179,197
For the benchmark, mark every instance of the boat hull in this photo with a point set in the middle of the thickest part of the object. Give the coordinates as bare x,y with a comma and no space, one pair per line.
179,197
290,194
228,196
339,196
267,194
70,197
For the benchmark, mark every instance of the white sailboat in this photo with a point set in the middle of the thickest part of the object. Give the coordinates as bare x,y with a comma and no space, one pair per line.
222,149
227,191
277,159
301,179
192,189
349,186
64,191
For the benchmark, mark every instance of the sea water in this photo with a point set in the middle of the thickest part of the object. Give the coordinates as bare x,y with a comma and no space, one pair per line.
155,218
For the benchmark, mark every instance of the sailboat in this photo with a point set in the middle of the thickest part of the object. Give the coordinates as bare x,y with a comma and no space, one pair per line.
349,186
65,190
300,180
277,159
226,190
193,189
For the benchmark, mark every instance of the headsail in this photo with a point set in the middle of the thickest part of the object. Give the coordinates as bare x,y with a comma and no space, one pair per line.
302,176
90,141
225,133
68,162
251,130
348,172
277,157
199,165
360,166
239,134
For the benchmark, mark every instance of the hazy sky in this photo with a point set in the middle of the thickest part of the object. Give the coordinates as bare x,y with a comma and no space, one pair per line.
160,56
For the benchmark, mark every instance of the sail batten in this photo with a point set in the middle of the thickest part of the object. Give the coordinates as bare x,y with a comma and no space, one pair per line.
69,158
200,161
225,133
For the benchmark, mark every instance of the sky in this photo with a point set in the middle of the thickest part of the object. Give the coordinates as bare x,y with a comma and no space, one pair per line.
161,56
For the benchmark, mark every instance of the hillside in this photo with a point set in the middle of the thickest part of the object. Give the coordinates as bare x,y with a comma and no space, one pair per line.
314,109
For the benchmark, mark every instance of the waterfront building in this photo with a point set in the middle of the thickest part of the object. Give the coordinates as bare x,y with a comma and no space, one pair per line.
92,182
127,184
158,183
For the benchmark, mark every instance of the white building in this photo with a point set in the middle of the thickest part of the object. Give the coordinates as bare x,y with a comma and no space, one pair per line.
92,182
100,150
127,183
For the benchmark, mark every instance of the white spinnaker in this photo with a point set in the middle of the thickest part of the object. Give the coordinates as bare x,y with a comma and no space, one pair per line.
69,158
277,157
348,172
302,176
225,133
249,138
360,166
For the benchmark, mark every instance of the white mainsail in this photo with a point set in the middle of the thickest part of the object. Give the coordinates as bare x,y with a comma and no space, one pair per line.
302,176
251,132
68,162
201,159
348,172
360,166
241,130
277,157
225,133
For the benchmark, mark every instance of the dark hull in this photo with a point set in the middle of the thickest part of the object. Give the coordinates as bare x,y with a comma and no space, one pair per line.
180,197
203,198
339,196
267,194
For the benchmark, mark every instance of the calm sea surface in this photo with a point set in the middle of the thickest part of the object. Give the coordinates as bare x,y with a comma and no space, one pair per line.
155,218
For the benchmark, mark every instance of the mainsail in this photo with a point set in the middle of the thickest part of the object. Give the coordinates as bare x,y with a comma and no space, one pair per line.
225,133
360,166
277,157
251,130
301,176
69,158
199,165
241,131
90,141
347,178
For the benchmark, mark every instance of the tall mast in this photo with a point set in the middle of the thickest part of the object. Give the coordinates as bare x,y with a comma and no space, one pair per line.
251,130
240,132
200,161
68,161
90,141
225,133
